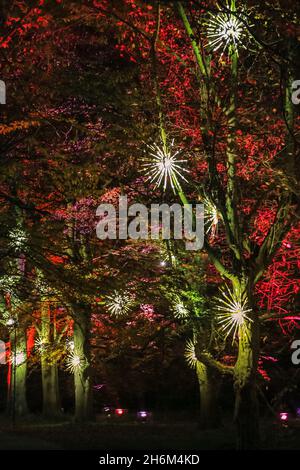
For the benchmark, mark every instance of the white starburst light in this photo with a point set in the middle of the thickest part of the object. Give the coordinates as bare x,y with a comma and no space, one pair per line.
211,216
74,362
18,359
18,238
226,30
180,311
40,345
165,167
190,354
232,312
119,303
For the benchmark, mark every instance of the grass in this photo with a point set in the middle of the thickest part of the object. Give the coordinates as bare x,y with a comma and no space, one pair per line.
125,435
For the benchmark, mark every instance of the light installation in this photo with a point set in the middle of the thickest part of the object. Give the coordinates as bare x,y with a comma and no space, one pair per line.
226,30
119,303
284,416
73,362
164,167
10,322
18,359
232,311
179,310
211,217
39,345
18,238
190,354
70,344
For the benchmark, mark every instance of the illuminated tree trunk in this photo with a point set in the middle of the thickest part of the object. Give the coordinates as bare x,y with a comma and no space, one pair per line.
209,416
18,401
245,374
51,400
82,378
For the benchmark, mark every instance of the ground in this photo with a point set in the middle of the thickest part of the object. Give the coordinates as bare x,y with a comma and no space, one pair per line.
118,435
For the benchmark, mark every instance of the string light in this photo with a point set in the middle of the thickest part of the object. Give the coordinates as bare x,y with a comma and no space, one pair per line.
119,303
190,354
165,167
226,30
232,311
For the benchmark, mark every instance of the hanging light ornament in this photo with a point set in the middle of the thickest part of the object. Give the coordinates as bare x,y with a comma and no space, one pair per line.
73,362
119,303
227,30
165,167
232,312
190,354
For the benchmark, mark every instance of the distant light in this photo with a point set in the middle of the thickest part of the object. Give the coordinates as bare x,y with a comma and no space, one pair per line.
120,411
163,263
10,322
284,416
143,414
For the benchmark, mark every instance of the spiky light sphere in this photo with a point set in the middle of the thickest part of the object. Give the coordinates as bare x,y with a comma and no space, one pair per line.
18,359
164,167
73,362
167,256
119,303
40,345
211,217
70,344
8,284
18,238
225,30
232,311
179,310
190,354
10,322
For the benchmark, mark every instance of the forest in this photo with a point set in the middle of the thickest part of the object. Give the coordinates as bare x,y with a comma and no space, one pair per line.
151,337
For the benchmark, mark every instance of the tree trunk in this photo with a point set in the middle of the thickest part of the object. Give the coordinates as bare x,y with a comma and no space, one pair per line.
51,399
18,401
245,373
82,378
209,415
